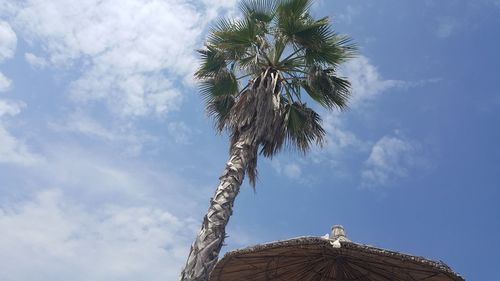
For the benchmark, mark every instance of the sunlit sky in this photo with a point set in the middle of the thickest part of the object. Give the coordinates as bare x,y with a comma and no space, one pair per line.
108,160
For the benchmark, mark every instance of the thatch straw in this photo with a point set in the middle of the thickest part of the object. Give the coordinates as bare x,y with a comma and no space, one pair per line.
315,258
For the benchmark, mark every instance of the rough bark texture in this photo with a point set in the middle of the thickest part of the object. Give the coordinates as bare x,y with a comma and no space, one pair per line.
254,119
205,250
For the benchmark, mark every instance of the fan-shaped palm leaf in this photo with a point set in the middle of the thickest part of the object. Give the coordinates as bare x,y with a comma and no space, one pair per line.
212,63
259,10
303,126
326,88
291,15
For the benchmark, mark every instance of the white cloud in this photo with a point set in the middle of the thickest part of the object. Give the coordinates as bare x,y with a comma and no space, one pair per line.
5,83
180,132
338,137
109,218
35,61
118,134
104,218
276,164
391,158
12,149
8,41
11,108
81,123
367,84
292,170
15,151
213,8
366,80
52,237
125,48
109,177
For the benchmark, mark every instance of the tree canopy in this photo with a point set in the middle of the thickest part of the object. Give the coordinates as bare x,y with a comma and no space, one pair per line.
280,40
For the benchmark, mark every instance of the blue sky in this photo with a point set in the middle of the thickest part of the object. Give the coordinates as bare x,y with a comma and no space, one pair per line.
107,159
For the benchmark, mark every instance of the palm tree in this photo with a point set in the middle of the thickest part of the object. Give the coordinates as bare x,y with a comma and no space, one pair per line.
283,57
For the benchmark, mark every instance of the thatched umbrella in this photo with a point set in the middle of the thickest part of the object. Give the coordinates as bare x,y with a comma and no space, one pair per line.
333,258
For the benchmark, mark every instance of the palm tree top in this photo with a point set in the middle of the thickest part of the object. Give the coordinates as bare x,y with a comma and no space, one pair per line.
274,41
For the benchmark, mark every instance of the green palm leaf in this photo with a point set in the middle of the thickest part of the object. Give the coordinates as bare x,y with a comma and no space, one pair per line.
277,38
303,126
327,89
234,37
219,108
223,84
219,94
212,63
290,12
259,10
293,16
331,50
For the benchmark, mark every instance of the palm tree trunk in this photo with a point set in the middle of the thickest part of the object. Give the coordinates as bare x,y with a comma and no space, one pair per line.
205,249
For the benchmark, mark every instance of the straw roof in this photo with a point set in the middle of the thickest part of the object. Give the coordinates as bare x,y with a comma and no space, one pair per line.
317,258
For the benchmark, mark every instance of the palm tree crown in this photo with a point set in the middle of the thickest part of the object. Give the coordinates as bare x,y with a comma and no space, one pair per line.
256,74
282,56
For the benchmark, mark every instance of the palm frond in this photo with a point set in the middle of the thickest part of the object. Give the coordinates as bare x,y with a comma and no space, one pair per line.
312,34
280,43
252,61
212,63
223,84
259,10
234,36
219,109
303,127
346,43
331,50
293,87
219,93
292,15
253,47
293,9
326,88
291,64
